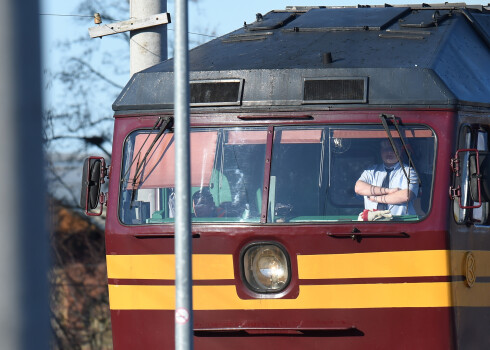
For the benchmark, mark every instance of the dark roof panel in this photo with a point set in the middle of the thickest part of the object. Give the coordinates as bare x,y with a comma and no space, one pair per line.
432,56
348,18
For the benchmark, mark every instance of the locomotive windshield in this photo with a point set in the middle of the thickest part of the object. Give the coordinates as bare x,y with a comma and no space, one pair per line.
317,174
227,174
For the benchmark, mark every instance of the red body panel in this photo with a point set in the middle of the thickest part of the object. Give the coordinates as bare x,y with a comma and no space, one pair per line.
374,329
368,328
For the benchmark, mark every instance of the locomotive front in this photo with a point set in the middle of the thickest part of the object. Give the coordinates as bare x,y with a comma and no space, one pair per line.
320,147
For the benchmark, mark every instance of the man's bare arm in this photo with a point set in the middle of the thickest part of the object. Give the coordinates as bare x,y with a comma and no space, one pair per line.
364,189
397,197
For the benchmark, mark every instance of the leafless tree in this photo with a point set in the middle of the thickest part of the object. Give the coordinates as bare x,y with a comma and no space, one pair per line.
78,122
83,87
80,317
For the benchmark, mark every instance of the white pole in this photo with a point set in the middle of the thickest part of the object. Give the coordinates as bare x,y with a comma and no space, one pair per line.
147,46
183,239
24,316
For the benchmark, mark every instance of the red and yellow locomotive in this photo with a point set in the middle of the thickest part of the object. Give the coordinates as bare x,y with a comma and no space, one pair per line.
290,115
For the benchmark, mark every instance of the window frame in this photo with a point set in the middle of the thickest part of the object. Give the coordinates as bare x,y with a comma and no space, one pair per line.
264,210
468,138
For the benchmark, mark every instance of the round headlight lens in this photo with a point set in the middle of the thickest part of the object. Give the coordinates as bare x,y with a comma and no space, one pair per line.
266,268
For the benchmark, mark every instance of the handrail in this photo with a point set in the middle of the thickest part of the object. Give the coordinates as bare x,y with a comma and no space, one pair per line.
274,117
341,330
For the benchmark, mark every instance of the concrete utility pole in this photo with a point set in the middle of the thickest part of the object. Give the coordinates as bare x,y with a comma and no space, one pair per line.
147,46
24,316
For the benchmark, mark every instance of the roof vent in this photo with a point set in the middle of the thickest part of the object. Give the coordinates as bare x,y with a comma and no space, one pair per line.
335,90
216,92
272,20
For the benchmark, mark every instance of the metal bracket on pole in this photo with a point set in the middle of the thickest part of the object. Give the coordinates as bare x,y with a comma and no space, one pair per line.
129,25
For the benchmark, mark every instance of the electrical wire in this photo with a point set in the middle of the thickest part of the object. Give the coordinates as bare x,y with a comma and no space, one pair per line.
207,35
62,15
116,32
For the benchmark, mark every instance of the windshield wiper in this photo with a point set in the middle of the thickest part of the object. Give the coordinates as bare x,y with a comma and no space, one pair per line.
384,118
409,156
163,123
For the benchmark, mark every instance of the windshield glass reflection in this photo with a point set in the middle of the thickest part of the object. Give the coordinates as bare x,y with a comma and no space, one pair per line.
317,174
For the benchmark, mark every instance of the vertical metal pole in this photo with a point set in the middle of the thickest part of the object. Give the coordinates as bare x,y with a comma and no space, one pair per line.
147,46
183,238
24,316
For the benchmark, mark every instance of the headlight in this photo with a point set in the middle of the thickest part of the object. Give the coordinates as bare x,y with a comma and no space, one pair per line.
265,267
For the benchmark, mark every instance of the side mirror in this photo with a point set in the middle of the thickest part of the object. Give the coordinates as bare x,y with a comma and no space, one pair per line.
94,172
480,176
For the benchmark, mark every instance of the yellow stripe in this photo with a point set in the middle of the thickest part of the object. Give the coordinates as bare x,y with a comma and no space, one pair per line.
324,266
370,265
162,266
348,296
360,265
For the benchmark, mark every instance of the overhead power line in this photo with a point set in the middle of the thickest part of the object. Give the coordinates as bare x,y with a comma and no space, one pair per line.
63,15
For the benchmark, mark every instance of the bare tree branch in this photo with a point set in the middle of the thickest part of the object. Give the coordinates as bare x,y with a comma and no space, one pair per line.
79,120
95,72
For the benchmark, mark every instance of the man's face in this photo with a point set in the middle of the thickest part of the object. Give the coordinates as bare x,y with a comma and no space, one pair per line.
387,153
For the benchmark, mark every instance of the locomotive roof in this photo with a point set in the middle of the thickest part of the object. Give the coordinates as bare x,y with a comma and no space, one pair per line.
427,55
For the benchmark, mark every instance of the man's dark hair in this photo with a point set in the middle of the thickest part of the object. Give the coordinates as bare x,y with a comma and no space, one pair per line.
202,197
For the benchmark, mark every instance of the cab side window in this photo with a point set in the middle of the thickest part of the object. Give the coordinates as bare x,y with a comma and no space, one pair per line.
467,208
481,215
